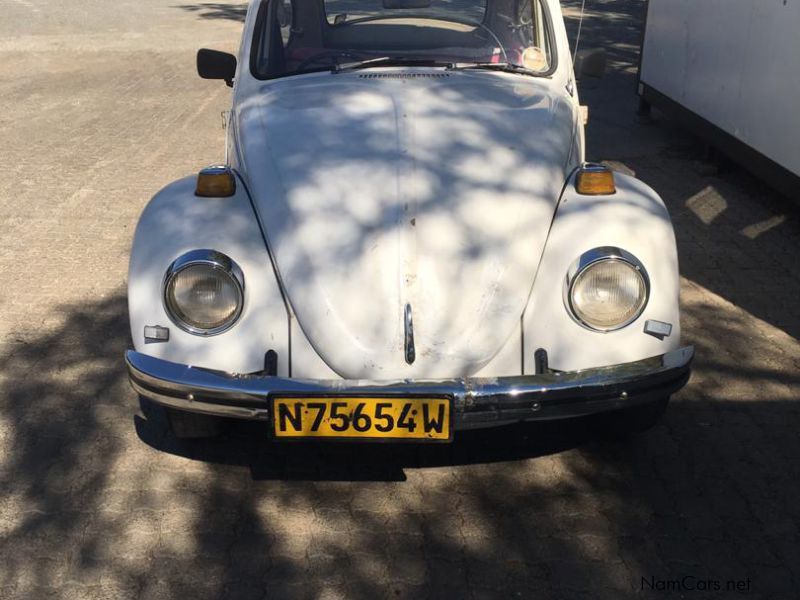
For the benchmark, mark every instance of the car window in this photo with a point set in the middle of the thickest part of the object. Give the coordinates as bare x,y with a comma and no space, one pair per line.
341,11
302,36
283,15
533,37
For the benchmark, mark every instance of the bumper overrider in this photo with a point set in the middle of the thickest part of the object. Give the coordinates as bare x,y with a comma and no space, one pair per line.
477,402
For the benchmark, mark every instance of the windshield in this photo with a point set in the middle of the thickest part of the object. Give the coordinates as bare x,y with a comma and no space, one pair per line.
301,36
343,10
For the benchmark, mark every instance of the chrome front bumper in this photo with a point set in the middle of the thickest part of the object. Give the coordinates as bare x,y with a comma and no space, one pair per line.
478,402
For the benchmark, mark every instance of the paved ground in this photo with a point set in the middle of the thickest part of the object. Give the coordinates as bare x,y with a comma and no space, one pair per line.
100,105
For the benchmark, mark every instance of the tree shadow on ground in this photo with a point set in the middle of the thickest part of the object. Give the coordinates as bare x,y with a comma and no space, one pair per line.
217,10
88,509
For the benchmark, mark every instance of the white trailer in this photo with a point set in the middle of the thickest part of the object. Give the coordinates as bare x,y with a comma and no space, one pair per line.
730,71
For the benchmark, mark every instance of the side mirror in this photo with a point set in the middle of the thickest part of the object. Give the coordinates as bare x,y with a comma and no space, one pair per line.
213,64
590,63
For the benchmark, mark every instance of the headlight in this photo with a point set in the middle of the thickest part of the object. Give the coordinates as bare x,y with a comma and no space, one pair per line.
204,292
606,289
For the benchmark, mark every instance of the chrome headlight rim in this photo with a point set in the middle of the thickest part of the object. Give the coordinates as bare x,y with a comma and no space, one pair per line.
218,261
592,257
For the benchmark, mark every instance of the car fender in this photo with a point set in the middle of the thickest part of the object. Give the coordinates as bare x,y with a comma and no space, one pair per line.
176,221
634,219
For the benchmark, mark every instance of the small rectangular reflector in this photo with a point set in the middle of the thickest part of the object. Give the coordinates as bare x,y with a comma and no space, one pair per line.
658,329
155,333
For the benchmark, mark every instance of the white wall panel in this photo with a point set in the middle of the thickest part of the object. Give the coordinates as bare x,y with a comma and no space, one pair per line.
736,63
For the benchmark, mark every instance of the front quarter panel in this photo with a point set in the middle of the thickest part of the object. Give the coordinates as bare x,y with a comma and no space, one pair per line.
634,219
176,221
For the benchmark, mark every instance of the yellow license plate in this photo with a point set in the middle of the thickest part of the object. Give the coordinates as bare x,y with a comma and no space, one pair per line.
423,419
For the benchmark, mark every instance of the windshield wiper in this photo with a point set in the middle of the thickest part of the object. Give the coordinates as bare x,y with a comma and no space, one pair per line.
501,66
390,61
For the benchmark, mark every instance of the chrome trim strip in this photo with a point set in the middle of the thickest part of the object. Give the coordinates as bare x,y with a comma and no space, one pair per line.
220,169
592,167
546,396
408,328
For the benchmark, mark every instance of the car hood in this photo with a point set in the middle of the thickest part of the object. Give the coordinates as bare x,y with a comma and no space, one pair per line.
379,190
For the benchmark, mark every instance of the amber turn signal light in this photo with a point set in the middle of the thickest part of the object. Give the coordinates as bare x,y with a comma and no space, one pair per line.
215,182
595,180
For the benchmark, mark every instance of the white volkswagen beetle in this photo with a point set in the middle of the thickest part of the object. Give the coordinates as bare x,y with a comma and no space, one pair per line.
404,239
